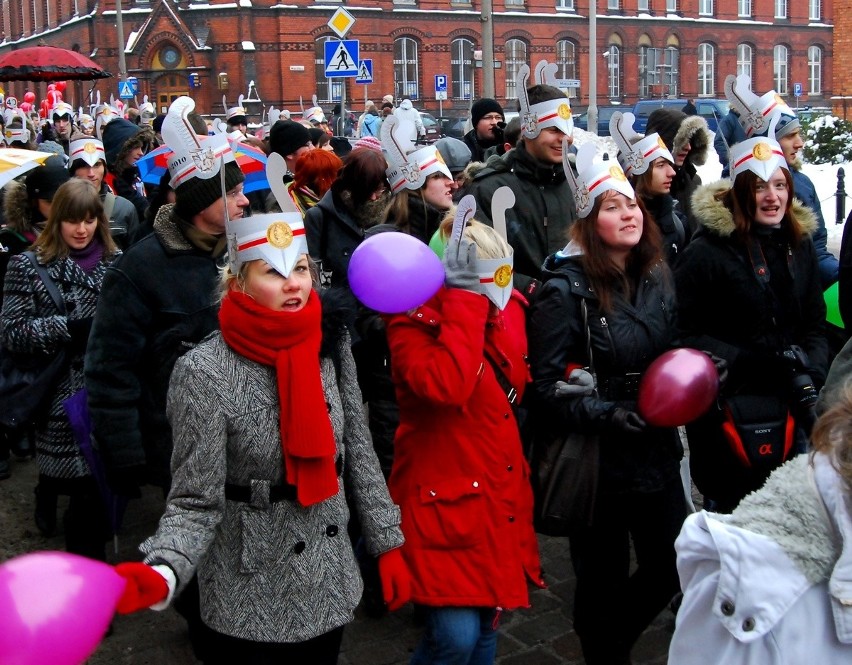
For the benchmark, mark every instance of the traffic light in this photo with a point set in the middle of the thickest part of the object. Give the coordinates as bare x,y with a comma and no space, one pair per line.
195,80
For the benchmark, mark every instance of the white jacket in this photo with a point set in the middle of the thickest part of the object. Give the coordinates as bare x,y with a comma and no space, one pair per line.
406,111
772,583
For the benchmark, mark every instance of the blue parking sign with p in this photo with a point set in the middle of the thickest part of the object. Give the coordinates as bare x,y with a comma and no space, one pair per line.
440,83
797,89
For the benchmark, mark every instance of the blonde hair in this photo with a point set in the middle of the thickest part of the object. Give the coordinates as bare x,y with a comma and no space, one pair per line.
489,243
832,433
228,279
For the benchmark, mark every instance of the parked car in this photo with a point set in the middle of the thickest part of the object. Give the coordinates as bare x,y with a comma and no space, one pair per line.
430,124
453,127
581,120
712,110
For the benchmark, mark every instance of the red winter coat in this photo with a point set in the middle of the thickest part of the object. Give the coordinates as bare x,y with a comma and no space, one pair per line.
459,473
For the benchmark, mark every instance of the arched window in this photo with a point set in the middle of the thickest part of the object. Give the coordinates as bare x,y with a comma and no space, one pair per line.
814,70
516,56
566,61
613,71
780,60
706,70
745,59
461,61
406,68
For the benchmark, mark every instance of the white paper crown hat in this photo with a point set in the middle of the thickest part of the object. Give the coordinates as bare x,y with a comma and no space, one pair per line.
756,113
495,275
22,133
408,169
635,157
89,149
193,156
103,115
761,155
62,108
235,111
277,237
549,113
594,176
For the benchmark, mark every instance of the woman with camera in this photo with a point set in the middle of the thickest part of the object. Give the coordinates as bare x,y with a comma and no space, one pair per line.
748,290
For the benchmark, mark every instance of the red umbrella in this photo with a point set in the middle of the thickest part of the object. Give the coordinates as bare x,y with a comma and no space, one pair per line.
48,63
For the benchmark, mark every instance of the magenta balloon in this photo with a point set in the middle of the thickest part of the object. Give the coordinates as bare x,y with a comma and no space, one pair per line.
393,272
55,607
677,388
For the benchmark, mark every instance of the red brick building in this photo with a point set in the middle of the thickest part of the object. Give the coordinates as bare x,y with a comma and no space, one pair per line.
645,48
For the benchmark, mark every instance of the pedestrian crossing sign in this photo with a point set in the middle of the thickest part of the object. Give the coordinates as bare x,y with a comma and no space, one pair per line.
341,58
125,90
365,72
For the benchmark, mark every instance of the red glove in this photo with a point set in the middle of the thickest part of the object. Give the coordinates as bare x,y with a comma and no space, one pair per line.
396,579
145,587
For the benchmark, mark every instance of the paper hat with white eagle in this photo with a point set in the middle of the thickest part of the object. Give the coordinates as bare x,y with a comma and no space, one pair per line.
635,152
408,168
549,113
595,175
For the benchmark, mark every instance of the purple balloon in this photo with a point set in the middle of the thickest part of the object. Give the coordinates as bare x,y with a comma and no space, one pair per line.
394,272
55,607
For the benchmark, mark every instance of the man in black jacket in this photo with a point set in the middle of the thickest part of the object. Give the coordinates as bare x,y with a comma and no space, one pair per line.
486,116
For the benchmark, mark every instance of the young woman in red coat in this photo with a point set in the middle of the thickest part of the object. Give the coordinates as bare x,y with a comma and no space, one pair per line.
459,474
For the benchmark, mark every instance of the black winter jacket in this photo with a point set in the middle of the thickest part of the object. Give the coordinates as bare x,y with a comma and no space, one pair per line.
156,303
672,225
624,342
544,209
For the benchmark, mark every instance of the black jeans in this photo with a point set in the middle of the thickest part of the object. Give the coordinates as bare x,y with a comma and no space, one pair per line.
612,607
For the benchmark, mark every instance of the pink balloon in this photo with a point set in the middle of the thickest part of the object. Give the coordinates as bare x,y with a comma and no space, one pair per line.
55,607
677,388
393,272
26,107
51,86
51,97
29,96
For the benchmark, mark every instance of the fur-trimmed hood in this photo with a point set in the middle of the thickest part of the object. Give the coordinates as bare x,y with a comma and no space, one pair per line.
166,227
718,220
16,207
677,129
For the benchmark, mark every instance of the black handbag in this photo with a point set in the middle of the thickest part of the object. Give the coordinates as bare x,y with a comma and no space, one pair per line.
564,472
28,382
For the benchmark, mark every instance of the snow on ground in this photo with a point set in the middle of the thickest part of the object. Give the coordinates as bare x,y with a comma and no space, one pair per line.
824,177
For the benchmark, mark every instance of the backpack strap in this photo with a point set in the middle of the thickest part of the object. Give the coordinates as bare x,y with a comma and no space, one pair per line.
52,289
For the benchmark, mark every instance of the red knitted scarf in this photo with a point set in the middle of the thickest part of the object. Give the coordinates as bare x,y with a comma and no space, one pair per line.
290,342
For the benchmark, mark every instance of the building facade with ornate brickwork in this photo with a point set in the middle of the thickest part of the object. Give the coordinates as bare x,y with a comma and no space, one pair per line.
645,48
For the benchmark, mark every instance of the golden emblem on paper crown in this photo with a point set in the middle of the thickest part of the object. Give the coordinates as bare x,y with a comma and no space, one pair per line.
90,148
279,235
778,99
616,172
503,276
8,133
564,111
439,157
762,151
661,143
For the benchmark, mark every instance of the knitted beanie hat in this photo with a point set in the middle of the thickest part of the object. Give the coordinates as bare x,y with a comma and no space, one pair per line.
482,107
115,134
287,136
195,194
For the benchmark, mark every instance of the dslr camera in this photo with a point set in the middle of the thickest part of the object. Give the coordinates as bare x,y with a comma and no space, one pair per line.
802,389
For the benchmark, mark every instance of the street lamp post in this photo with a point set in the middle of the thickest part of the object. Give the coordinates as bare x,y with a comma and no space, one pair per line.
119,30
592,113
487,19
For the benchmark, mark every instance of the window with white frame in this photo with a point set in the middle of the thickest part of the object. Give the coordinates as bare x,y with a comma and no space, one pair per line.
613,66
461,65
671,5
706,70
514,3
744,8
745,59
565,4
705,7
780,8
814,10
516,57
814,70
644,5
406,68
566,63
613,4
780,68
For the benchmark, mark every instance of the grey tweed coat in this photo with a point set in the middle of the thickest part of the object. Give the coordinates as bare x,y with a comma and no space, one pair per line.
267,572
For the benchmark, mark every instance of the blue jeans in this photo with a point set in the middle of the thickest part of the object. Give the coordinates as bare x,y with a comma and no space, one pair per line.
457,636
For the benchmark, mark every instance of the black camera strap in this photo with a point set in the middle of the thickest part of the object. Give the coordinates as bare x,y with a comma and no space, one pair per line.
761,272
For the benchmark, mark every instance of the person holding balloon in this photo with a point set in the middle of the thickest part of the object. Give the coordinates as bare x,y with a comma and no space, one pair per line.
459,474
649,166
269,442
608,304
749,291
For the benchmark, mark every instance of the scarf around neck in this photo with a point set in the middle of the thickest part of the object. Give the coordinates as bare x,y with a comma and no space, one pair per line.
290,342
88,257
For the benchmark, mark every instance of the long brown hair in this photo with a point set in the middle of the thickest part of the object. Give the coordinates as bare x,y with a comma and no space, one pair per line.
603,274
832,433
741,200
74,201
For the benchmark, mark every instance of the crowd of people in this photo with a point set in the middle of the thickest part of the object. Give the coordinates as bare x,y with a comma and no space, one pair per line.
314,453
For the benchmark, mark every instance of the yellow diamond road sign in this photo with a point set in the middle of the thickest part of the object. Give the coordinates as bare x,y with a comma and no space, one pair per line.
341,22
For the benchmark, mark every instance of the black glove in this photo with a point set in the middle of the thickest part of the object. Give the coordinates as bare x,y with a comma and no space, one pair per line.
721,366
79,330
126,480
625,421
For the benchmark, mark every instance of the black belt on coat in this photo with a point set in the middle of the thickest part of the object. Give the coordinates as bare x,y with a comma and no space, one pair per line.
277,493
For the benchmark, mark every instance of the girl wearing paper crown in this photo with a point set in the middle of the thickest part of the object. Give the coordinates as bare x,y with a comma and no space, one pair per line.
607,303
649,166
459,474
749,291
420,181
270,441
